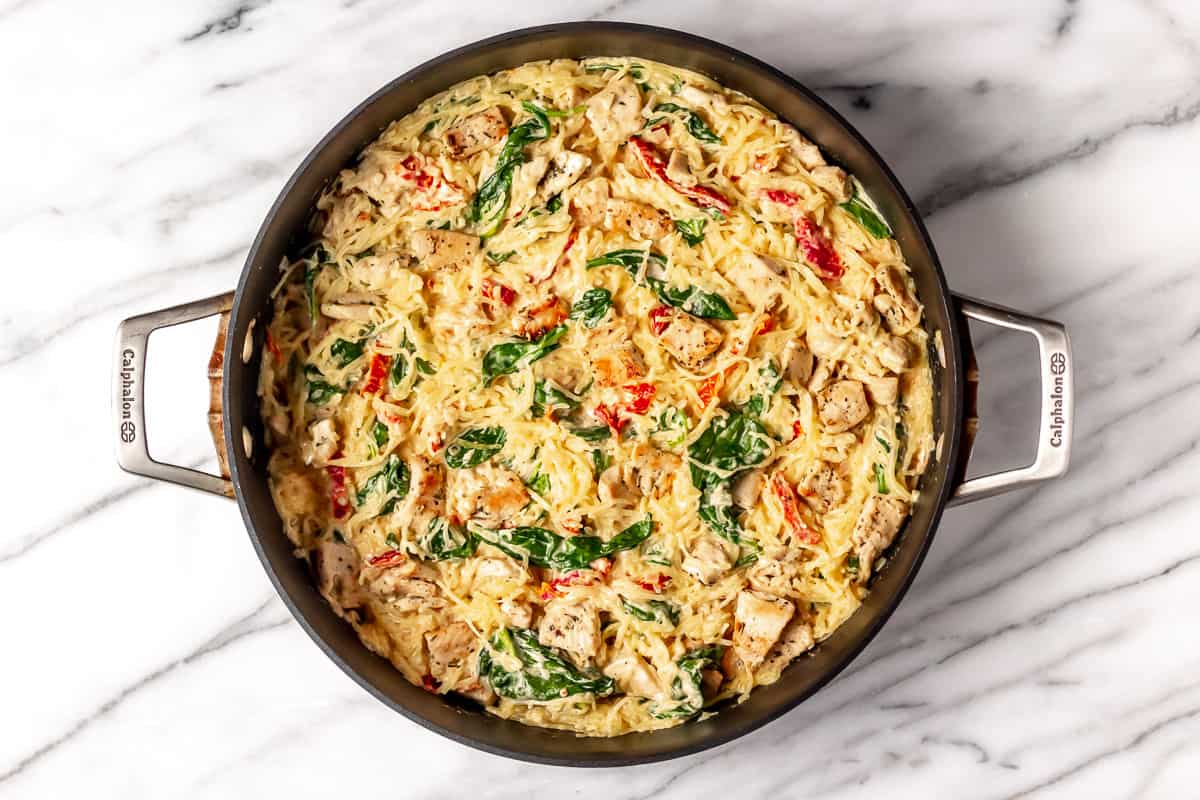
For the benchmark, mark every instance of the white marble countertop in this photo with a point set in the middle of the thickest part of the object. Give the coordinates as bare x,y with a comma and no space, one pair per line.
1049,645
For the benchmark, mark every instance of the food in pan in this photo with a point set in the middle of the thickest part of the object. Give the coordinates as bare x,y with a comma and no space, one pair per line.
597,395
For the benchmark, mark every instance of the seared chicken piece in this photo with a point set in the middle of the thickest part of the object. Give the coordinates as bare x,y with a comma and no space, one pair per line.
895,354
759,619
295,494
877,526
689,339
796,639
774,571
822,341
807,153
616,360
633,675
900,311
799,361
615,112
425,498
565,169
337,565
322,443
748,489
842,405
823,488
476,132
437,249
358,312
488,494
707,560
525,182
590,202
649,472
701,98
637,220
518,614
835,181
679,169
883,391
539,315
760,278
571,626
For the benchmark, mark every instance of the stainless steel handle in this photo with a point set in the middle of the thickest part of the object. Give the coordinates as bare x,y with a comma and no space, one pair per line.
129,409
1058,405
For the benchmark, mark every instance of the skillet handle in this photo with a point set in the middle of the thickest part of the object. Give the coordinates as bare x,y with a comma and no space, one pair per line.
129,402
1058,404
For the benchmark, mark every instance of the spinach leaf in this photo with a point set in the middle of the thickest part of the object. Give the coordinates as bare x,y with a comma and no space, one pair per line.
393,479
592,307
424,367
696,125
654,551
686,689
692,230
598,433
867,217
548,396
507,358
887,447
474,446
544,673
691,299
600,461
636,71
320,391
398,371
760,403
659,611
380,433
345,352
852,566
730,444
445,541
488,206
500,258
554,204
545,548
672,420
540,482
880,479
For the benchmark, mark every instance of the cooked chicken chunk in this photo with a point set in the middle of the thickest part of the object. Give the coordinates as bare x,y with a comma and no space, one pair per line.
590,202
649,472
488,494
833,180
760,278
406,594
358,312
823,488
689,339
799,361
437,249
566,167
633,675
823,342
707,559
877,526
637,220
476,132
842,405
615,359
774,571
374,272
883,391
295,494
615,112
539,315
895,354
425,498
807,153
518,614
322,443
336,564
900,311
759,619
704,99
679,169
525,182
452,656
571,626
748,489
796,639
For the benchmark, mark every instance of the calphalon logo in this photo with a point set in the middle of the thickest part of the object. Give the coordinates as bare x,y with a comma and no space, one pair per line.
1058,366
128,398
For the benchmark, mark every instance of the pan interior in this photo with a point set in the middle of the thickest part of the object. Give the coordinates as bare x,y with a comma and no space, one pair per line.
289,214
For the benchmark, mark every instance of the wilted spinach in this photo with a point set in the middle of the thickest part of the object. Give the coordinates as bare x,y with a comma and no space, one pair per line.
592,307
545,548
544,673
474,446
507,358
